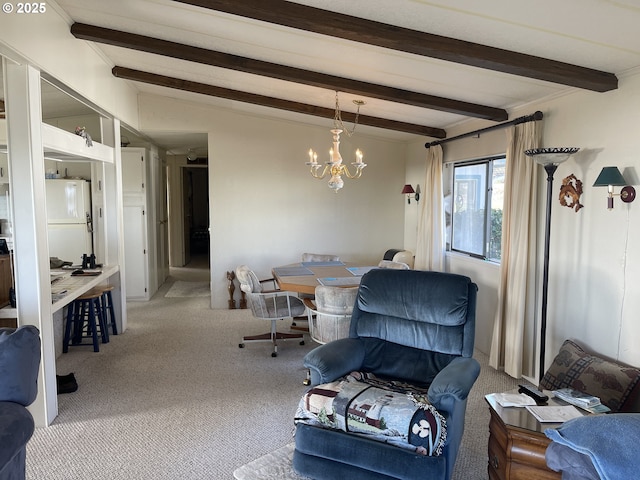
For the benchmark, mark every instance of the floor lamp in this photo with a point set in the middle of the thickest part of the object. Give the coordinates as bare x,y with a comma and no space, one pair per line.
549,158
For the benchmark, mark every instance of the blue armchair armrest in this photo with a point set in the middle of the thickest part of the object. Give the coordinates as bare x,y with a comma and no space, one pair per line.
333,360
453,383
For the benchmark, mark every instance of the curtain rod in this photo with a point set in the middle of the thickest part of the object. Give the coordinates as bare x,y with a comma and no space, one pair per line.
516,121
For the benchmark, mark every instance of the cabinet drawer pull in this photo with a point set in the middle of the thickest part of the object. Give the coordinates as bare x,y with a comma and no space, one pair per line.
494,462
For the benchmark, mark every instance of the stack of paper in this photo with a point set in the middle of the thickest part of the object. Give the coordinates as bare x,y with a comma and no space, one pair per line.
577,398
512,399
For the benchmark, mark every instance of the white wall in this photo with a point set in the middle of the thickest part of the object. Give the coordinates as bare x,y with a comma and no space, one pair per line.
266,209
45,41
594,255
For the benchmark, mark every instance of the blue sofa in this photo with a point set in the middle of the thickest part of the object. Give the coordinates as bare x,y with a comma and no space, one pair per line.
19,365
409,326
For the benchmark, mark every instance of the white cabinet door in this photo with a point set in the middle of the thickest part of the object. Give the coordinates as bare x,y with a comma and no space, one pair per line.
135,252
4,168
133,170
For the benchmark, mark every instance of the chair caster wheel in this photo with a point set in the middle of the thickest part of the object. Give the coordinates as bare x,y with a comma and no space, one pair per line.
241,345
302,342
274,354
306,382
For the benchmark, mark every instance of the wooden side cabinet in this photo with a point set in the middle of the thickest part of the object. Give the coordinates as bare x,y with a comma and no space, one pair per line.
517,444
5,280
517,453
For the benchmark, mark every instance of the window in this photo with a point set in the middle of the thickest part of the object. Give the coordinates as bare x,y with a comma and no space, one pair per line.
478,193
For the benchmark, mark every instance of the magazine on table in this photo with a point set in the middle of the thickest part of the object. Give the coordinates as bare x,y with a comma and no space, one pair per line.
576,397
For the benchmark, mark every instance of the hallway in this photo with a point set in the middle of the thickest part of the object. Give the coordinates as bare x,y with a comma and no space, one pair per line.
197,270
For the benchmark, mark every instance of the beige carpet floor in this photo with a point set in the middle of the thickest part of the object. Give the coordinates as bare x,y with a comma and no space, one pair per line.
189,289
175,398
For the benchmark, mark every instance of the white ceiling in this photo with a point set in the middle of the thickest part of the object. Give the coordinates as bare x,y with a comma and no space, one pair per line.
599,34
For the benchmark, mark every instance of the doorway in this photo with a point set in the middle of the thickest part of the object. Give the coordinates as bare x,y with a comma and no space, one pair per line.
195,195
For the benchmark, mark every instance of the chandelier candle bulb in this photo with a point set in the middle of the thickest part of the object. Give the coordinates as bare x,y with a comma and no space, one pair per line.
312,157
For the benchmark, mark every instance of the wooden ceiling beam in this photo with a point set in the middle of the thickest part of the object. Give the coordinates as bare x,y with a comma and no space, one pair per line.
325,22
236,95
281,72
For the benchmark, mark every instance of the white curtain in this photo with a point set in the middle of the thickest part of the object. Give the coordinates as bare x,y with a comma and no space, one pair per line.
516,294
430,239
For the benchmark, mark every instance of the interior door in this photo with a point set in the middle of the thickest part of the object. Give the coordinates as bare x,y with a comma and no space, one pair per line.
187,203
163,226
135,252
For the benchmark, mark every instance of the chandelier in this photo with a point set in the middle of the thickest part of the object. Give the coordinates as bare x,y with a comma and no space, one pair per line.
334,166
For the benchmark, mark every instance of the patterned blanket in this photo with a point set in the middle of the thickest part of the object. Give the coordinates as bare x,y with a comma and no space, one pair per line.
387,411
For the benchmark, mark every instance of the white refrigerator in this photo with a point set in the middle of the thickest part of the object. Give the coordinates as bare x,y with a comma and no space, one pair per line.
69,219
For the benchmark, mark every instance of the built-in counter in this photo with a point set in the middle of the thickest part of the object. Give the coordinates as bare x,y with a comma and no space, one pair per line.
65,288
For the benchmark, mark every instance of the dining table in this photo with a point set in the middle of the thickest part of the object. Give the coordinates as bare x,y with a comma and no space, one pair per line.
304,277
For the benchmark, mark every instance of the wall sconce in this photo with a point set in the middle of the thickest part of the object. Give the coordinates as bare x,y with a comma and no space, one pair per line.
610,177
408,190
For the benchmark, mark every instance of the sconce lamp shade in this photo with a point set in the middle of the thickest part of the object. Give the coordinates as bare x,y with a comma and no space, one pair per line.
408,189
610,176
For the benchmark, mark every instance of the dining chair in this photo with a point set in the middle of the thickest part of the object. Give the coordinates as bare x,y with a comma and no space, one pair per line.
330,315
404,256
319,257
394,265
271,305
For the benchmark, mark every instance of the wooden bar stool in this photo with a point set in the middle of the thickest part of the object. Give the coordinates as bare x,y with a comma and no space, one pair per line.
106,307
84,318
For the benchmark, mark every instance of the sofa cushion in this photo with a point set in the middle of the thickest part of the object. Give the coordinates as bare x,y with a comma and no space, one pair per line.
617,385
19,363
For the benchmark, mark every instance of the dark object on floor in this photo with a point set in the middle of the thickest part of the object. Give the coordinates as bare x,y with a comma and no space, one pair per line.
19,366
66,383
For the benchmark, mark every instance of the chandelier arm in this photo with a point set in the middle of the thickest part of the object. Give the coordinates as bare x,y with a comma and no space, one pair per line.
314,172
357,174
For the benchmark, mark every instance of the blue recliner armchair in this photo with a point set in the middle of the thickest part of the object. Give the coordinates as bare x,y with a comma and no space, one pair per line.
19,364
408,325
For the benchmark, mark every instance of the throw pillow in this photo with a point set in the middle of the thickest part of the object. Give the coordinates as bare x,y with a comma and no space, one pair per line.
615,384
19,363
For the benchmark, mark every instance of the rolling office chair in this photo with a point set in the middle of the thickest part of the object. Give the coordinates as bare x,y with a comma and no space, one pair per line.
272,305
